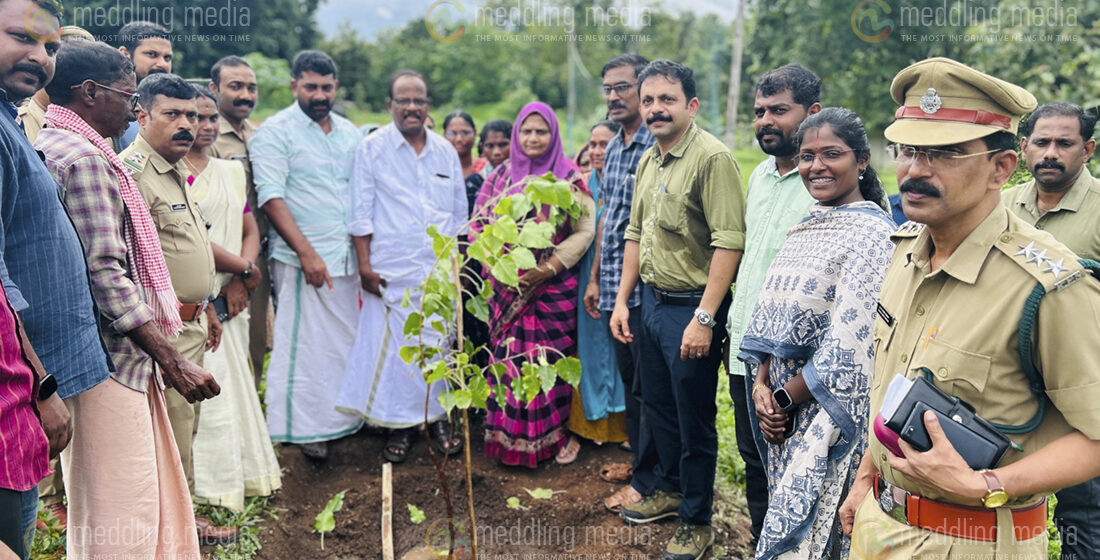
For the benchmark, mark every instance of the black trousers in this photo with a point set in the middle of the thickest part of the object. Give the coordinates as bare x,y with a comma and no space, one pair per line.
628,356
1077,516
756,478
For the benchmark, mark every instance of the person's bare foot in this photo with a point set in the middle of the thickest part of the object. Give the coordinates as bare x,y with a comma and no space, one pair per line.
626,495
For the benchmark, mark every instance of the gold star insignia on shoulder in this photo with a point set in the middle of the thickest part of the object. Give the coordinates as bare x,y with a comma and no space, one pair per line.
1055,268
1038,258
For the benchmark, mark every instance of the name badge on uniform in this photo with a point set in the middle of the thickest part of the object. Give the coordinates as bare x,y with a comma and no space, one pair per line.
886,316
179,206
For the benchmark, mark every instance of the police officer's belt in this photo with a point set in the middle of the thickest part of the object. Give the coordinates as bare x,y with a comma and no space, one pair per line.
974,523
688,298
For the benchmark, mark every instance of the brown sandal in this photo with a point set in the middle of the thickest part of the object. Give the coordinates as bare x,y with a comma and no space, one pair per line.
616,472
626,496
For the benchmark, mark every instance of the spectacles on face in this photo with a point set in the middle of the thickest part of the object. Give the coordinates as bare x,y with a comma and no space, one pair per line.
131,96
827,156
620,89
452,134
415,101
936,158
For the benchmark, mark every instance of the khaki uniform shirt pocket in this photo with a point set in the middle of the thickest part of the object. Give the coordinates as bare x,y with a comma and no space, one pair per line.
958,372
175,227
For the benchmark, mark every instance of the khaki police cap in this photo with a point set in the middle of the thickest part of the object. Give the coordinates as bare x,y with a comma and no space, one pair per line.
945,102
71,32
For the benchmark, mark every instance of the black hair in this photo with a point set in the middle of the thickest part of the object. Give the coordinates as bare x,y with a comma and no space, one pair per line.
205,92
496,125
674,71
1001,141
580,153
459,114
78,61
611,125
637,61
401,74
847,126
1086,118
133,33
168,85
54,7
804,85
312,61
232,61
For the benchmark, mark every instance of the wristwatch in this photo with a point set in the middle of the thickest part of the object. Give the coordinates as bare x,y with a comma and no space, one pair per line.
996,496
247,273
784,400
47,386
704,318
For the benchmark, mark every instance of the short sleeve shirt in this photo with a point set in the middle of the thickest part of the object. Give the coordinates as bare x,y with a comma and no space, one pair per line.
686,204
961,323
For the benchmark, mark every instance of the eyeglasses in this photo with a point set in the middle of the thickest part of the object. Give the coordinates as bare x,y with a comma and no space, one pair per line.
620,89
936,159
417,101
827,156
131,96
452,134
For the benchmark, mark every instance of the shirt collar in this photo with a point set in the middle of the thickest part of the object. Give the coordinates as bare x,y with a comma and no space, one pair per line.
967,261
642,137
158,162
225,127
681,146
1071,201
772,168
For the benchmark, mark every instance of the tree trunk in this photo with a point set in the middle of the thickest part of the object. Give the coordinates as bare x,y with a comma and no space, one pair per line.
735,76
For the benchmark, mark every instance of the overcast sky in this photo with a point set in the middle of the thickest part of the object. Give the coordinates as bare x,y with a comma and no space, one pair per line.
370,16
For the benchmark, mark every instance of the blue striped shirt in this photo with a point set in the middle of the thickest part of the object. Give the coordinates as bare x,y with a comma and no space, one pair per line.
293,159
43,268
616,192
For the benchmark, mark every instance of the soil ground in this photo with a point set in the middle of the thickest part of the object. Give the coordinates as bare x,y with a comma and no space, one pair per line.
572,525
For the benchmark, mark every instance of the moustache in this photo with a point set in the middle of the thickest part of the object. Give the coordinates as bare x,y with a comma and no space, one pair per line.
37,71
412,114
769,130
658,118
156,71
183,135
243,102
615,105
1050,164
919,186
320,105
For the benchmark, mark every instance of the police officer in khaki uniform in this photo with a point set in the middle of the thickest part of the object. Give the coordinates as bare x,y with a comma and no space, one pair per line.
167,116
1064,200
951,304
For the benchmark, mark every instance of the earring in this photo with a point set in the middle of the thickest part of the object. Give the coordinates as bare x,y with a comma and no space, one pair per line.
860,176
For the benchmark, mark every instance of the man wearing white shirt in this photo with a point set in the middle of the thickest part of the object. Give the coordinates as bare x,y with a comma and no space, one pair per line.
405,178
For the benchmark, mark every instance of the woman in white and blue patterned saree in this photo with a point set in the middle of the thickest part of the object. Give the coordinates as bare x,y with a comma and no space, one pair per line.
810,340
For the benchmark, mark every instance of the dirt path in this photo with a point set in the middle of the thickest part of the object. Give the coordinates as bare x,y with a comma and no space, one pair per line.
572,524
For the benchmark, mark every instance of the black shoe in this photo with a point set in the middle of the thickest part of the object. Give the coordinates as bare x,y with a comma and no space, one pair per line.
397,447
318,450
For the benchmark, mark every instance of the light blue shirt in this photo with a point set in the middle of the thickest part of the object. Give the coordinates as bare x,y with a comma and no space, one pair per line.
774,204
293,159
396,194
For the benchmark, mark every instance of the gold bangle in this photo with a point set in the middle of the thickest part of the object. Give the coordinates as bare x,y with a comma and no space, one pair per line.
756,386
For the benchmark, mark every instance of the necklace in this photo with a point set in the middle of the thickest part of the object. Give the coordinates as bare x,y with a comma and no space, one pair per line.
194,168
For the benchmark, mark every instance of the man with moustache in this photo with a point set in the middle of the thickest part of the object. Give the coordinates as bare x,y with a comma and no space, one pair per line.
32,110
620,91
685,240
149,47
776,200
301,163
167,114
950,312
123,468
405,179
1064,200
234,85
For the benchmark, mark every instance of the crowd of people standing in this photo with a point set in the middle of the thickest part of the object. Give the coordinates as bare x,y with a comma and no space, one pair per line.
170,221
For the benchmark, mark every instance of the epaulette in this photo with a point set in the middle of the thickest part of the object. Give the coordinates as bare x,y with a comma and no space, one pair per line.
136,162
1049,262
908,229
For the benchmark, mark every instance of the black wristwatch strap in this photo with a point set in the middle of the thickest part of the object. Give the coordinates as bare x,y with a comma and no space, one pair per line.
47,386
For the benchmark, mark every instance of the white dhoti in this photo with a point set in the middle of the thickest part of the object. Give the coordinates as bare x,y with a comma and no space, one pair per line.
232,451
379,386
314,331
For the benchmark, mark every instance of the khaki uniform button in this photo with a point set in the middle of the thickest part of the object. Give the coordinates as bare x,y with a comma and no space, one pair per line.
942,373
1007,237
882,457
920,311
904,358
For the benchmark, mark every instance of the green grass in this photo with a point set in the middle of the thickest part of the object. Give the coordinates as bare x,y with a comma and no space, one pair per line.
248,522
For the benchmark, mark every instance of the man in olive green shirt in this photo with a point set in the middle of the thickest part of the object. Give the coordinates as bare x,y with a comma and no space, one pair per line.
1064,200
167,116
685,239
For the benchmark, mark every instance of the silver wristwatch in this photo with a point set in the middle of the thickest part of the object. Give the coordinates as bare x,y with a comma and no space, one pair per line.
705,318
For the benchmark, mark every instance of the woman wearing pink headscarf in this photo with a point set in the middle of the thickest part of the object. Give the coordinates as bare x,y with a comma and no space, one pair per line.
543,312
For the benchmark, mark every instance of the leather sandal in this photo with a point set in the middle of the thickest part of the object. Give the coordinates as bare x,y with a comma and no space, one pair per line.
398,444
442,439
616,472
626,495
568,453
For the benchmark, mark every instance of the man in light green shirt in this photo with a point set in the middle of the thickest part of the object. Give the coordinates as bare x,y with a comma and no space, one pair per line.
685,239
776,201
1064,200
